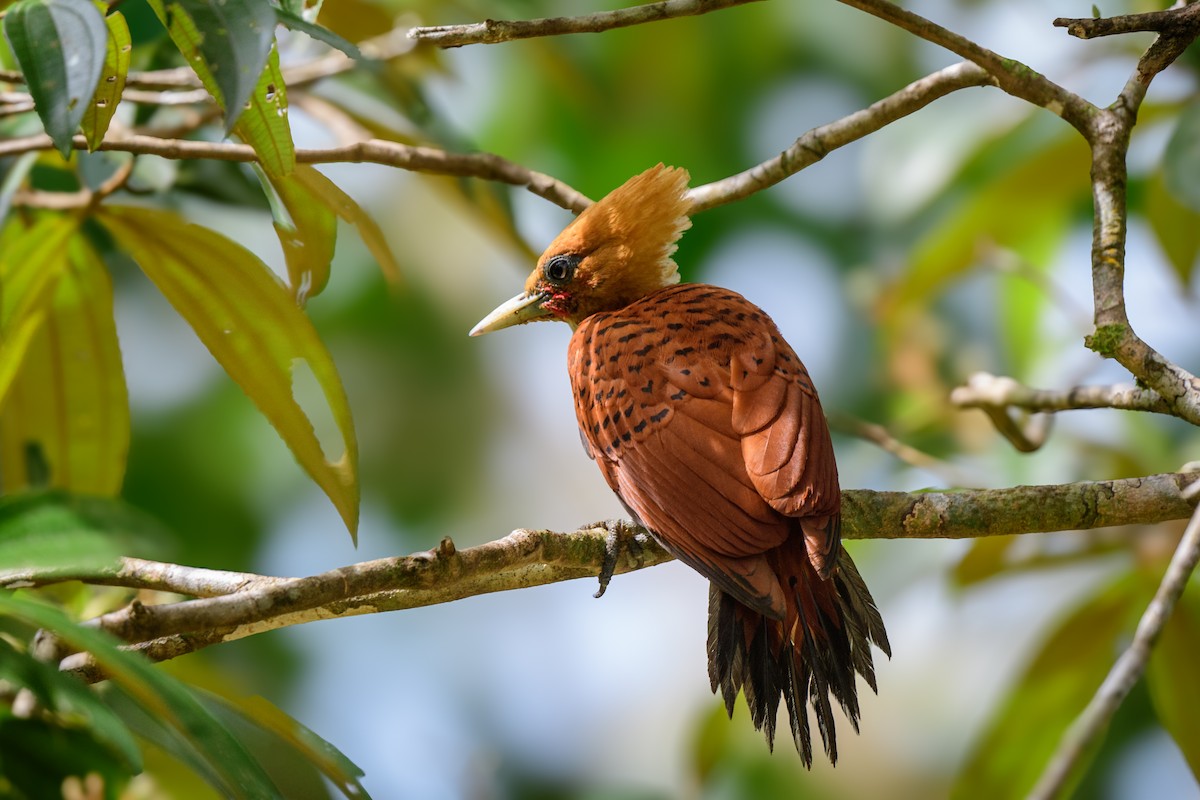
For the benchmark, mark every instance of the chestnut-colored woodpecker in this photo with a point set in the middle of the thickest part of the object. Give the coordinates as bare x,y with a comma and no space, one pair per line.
707,426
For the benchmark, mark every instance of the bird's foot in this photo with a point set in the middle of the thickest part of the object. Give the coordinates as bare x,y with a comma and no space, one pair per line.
622,534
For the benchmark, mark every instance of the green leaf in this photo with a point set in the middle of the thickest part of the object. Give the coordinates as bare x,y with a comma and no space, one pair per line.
227,43
307,231
57,533
60,46
41,759
1051,692
1171,676
69,399
112,81
292,20
252,326
295,756
162,697
31,261
1181,160
345,207
1176,226
264,124
72,703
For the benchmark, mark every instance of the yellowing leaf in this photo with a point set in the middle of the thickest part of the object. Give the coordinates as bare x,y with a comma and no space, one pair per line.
249,322
67,411
344,206
31,261
307,230
112,81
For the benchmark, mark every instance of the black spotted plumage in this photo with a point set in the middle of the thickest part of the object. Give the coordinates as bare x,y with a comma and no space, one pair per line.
725,456
707,426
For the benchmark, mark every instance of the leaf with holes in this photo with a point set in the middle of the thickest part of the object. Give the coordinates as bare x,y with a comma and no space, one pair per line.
111,86
60,46
264,124
69,400
307,231
248,320
227,43
345,207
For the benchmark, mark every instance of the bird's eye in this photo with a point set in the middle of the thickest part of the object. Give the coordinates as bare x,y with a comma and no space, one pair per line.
560,269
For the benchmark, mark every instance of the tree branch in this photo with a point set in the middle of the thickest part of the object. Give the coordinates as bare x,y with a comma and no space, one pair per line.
1168,19
1083,733
428,160
494,31
996,396
243,605
819,142
1113,336
1011,75
878,435
807,150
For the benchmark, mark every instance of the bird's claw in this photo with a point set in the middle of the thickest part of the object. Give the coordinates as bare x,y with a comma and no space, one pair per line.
621,533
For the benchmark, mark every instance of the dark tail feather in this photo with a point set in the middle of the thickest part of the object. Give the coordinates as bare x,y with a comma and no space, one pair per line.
813,654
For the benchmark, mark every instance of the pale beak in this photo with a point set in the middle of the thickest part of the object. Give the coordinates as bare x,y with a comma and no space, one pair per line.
521,309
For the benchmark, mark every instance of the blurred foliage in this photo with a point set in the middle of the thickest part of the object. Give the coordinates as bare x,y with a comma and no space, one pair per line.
958,269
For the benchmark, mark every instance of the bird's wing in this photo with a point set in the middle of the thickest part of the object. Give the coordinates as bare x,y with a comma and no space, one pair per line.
785,441
658,403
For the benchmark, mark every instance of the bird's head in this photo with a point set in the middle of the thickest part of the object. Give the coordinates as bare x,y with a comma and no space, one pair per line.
617,251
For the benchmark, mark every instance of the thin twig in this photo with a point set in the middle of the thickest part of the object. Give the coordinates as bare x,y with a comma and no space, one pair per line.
1083,733
819,142
377,151
494,31
384,47
81,198
984,390
1011,75
997,396
138,573
1093,27
882,438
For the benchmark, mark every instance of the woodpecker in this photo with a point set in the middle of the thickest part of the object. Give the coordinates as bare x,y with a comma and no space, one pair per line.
707,426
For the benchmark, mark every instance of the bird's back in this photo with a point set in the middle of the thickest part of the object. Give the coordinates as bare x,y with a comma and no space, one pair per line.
706,424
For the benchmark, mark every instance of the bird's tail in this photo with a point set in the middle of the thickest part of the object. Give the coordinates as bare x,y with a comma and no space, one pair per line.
812,654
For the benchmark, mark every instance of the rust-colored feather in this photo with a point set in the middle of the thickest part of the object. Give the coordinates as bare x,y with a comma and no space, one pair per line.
706,424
